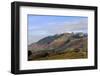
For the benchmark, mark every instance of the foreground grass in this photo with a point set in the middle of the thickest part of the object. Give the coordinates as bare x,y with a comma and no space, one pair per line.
65,55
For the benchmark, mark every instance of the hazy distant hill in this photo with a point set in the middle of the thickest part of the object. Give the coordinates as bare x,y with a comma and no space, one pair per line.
58,44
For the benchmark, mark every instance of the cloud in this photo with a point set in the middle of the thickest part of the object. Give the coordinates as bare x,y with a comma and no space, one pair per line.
61,27
36,32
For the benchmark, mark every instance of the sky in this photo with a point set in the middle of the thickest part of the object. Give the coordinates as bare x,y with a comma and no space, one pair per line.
40,26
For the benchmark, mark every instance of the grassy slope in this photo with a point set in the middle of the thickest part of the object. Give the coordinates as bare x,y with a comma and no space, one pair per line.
66,55
69,52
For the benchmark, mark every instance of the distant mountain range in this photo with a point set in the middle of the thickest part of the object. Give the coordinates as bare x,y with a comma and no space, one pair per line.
58,43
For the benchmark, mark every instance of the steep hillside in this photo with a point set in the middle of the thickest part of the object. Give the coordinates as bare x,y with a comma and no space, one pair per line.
52,46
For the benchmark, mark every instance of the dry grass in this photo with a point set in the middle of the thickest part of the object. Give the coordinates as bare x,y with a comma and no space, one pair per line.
66,55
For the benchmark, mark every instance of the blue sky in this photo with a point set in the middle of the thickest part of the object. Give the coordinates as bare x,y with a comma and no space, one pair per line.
40,26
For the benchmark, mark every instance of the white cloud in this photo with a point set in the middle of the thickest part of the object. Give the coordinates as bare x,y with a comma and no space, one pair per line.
38,32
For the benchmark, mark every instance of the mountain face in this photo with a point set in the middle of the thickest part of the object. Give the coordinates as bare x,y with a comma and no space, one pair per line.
58,43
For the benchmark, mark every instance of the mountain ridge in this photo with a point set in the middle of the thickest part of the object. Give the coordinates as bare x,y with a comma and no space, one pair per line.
59,43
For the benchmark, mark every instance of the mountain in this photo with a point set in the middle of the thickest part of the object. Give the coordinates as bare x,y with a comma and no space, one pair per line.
58,44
